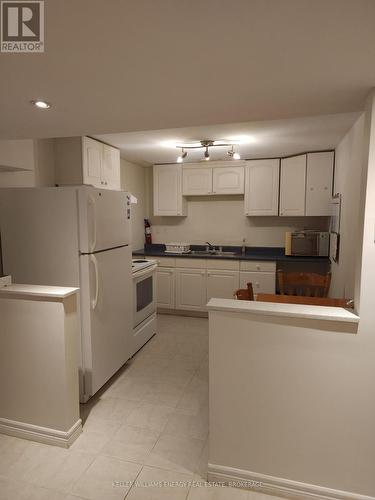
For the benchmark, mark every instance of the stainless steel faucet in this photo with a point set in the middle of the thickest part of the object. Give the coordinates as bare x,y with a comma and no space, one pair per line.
210,247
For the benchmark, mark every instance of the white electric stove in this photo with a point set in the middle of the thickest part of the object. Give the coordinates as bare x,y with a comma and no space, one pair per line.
144,302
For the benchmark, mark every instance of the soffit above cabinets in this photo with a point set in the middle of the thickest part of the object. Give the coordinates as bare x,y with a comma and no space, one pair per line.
258,139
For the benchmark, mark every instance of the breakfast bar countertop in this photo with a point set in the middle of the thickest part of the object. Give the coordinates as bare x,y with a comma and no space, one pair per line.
252,253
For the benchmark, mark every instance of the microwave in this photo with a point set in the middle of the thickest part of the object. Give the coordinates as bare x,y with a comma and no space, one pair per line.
307,243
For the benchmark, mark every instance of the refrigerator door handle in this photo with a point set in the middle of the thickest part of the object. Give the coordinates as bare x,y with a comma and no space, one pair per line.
94,301
92,203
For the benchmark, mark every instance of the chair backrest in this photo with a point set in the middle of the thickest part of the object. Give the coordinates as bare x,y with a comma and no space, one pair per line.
245,293
306,284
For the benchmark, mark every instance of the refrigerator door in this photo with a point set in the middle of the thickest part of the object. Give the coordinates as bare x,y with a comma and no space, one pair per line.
106,311
104,219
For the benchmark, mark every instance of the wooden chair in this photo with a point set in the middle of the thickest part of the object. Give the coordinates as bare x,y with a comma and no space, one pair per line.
245,293
304,284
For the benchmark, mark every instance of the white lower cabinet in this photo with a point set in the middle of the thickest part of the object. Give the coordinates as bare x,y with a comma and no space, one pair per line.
263,282
191,289
165,287
188,284
222,284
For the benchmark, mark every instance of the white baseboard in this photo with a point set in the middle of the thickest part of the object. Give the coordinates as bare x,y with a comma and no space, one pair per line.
41,434
279,486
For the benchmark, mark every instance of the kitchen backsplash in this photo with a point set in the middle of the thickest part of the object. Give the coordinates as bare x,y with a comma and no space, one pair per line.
222,221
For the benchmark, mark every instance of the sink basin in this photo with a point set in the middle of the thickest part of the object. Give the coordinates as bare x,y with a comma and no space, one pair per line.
215,253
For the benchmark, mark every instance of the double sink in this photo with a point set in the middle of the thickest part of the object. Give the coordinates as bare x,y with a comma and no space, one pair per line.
218,253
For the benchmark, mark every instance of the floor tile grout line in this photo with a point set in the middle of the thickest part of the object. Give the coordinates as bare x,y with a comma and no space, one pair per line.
135,479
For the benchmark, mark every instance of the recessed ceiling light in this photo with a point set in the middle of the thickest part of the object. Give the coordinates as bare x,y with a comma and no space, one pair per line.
40,104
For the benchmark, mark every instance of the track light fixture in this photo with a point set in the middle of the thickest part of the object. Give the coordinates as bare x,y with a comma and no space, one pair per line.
206,144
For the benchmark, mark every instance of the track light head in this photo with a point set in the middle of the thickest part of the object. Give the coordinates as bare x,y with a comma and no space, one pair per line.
206,154
181,157
233,154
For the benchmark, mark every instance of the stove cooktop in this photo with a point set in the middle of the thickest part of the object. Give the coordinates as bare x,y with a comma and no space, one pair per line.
138,264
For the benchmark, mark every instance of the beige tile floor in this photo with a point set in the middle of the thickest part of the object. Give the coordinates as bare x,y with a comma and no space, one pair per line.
144,435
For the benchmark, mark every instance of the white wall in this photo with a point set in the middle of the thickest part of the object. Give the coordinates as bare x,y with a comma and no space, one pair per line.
221,220
133,179
348,174
45,162
40,163
309,391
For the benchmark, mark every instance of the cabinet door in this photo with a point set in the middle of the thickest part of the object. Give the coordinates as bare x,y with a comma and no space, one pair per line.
196,181
111,167
228,180
293,186
165,288
168,198
222,284
262,282
92,162
262,187
319,181
191,289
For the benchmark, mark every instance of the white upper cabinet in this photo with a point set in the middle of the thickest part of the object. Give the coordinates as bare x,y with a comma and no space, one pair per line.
82,160
306,184
223,177
111,167
319,181
228,180
92,162
262,187
196,180
168,198
292,186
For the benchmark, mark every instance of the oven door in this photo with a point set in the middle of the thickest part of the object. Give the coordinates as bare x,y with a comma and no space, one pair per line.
144,295
305,244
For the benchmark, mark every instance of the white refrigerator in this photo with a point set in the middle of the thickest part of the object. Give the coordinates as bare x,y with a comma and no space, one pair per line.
77,236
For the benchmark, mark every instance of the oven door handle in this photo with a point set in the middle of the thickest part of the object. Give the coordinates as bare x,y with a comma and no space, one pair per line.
146,271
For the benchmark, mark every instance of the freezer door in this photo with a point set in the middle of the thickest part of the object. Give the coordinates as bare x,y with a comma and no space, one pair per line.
104,219
106,312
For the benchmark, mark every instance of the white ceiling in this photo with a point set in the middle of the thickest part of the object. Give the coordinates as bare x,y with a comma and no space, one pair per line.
119,66
257,139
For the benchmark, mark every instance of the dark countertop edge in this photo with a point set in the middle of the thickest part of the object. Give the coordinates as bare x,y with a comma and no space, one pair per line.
276,256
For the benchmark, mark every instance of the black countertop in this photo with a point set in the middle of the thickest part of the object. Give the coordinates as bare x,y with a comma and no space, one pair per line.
252,253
